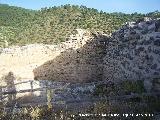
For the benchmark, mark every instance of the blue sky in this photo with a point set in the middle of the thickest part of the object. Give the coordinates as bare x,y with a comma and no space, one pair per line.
126,6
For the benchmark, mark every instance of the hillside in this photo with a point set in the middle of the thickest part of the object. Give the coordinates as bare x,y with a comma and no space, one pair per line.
13,20
14,16
19,26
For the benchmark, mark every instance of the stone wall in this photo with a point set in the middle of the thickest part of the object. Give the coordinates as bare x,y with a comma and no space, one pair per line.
133,52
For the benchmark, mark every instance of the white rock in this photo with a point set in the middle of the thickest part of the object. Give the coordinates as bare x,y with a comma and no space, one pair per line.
147,19
131,24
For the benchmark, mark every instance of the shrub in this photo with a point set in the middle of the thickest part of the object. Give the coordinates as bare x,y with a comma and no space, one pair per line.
133,86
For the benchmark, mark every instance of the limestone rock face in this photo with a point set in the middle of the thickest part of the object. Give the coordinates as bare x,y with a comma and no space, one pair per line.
133,52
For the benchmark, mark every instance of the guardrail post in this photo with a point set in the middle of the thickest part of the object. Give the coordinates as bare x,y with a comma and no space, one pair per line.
49,96
31,83
1,95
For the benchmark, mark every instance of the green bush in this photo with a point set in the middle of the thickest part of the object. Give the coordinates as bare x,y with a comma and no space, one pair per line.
133,86
105,90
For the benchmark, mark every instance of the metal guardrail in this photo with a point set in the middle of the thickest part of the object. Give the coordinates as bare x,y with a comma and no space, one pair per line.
47,84
51,87
30,90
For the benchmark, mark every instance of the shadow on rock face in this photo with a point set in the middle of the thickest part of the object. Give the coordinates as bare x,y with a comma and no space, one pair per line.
74,65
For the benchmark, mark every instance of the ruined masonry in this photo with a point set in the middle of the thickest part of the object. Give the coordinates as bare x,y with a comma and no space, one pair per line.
133,53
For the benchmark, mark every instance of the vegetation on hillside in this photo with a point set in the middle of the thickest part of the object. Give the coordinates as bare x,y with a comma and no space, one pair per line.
19,26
